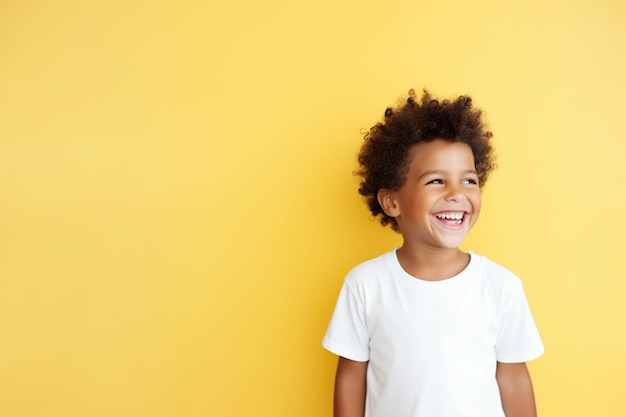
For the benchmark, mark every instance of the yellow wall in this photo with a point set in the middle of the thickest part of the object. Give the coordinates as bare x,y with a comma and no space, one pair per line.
177,209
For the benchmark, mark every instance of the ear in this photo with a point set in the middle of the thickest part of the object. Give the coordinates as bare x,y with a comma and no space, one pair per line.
387,200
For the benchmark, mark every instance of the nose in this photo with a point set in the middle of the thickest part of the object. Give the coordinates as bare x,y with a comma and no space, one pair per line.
454,193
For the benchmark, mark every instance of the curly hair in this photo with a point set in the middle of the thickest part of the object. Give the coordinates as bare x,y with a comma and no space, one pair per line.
384,155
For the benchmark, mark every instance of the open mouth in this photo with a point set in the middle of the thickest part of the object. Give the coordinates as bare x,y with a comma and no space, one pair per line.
451,218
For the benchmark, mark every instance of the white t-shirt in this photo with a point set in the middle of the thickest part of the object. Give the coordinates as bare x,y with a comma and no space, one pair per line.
432,346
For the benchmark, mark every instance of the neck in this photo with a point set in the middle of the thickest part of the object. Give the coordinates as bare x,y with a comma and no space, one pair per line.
434,264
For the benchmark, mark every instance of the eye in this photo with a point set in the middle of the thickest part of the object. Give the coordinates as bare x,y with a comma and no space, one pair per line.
435,181
472,181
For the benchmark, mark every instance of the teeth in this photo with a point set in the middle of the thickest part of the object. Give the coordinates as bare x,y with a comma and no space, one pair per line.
450,216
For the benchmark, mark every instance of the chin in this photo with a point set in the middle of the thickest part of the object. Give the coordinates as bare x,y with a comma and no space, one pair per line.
451,243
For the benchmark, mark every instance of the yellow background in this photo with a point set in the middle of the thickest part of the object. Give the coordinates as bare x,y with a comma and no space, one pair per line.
177,205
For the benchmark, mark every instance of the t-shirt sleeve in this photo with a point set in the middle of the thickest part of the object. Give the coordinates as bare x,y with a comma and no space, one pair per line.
347,334
518,339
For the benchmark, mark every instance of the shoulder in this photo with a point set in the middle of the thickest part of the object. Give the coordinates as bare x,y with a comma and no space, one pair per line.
496,275
372,270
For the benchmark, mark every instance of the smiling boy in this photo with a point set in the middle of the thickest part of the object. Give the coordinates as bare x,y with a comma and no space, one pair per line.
428,330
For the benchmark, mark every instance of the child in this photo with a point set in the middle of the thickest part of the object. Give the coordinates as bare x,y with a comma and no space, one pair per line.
428,330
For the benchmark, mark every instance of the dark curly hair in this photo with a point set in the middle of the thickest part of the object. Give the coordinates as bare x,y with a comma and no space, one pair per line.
383,157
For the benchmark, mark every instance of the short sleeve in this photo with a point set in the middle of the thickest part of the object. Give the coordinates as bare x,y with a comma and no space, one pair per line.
347,334
518,338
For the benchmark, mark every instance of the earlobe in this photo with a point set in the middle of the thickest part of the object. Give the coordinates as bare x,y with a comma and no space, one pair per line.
387,201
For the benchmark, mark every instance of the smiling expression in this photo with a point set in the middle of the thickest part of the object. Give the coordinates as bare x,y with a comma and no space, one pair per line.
440,200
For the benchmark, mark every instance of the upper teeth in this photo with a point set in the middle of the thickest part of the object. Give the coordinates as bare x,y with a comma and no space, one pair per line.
451,216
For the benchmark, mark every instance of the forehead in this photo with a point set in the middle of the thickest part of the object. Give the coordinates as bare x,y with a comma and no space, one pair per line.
441,154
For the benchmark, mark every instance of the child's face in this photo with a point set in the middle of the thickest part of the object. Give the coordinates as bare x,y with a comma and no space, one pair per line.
440,201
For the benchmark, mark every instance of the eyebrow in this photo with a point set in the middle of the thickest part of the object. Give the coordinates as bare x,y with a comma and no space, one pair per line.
443,172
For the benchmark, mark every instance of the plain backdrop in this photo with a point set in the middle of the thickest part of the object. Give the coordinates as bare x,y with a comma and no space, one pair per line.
178,207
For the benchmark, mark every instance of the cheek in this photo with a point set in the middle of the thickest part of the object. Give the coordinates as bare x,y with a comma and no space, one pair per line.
477,203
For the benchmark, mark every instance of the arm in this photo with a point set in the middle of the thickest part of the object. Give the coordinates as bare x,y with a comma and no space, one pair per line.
350,388
516,390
